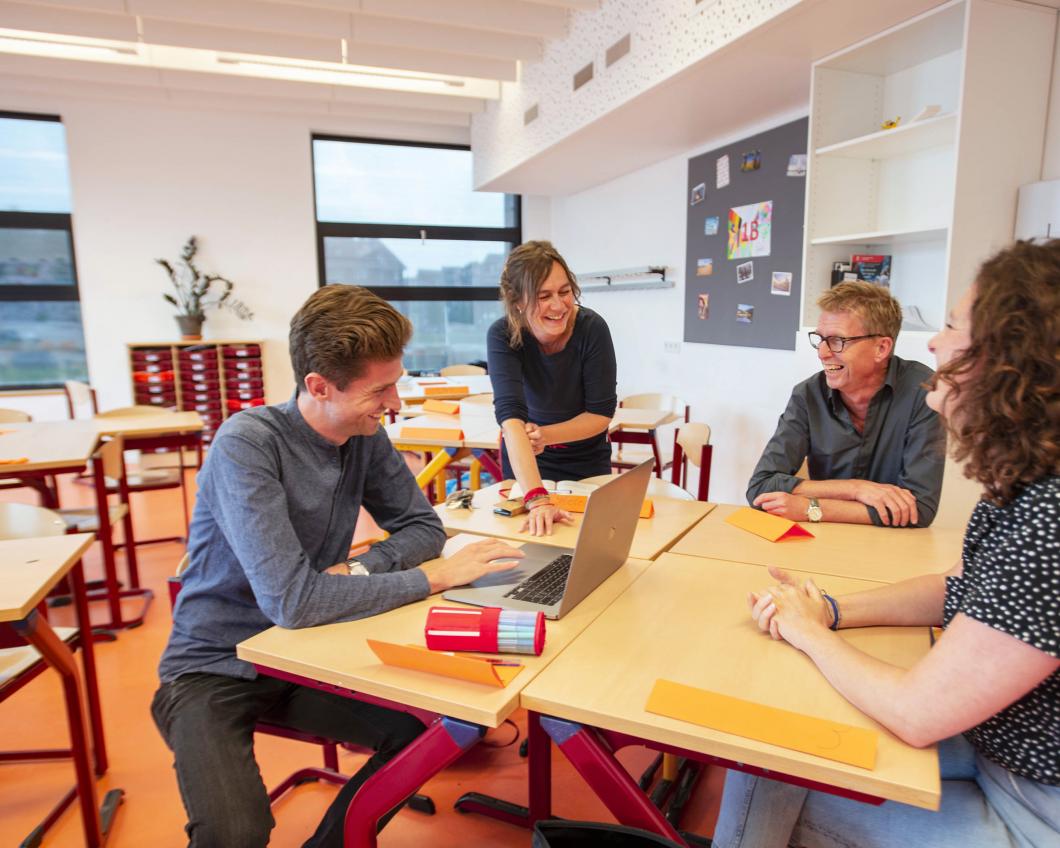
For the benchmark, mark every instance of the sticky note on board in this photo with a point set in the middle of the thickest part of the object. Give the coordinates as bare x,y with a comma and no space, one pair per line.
441,434
453,391
471,669
832,740
445,407
577,503
772,528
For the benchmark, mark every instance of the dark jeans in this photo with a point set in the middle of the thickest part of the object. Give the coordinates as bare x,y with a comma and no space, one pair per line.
208,722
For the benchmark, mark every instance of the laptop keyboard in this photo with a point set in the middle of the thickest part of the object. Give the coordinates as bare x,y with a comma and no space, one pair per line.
546,587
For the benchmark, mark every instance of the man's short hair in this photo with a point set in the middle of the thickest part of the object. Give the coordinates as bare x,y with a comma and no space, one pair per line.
340,329
879,311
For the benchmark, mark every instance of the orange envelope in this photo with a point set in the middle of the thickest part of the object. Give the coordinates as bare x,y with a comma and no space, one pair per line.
454,391
482,670
832,740
441,434
576,503
446,407
772,528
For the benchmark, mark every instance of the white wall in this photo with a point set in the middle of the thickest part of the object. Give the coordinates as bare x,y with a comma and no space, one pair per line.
144,177
640,219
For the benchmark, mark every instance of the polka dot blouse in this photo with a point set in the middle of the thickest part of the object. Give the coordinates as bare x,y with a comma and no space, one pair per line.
1011,582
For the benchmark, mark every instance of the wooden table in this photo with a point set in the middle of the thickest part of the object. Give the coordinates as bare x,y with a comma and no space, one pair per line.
686,620
480,440
414,389
672,519
50,447
336,657
882,554
29,569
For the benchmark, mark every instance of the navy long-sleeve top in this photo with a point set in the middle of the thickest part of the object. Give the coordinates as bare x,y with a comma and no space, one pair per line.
530,385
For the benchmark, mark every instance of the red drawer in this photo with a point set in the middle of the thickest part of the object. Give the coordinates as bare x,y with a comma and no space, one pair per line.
167,388
200,367
162,355
244,386
208,408
234,405
240,350
194,396
243,366
153,377
197,386
245,394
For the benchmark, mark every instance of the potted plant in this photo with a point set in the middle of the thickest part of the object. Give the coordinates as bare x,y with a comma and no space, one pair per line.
193,289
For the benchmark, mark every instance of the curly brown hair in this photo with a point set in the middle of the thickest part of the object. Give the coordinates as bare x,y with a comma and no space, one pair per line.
1007,426
525,270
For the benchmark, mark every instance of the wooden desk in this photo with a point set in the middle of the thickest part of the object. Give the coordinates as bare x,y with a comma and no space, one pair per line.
654,535
337,655
52,447
481,438
29,569
686,620
882,554
136,427
415,388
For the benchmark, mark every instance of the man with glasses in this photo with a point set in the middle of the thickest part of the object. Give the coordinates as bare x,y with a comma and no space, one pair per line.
873,448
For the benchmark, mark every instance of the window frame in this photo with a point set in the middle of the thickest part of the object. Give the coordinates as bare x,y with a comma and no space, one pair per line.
62,221
512,235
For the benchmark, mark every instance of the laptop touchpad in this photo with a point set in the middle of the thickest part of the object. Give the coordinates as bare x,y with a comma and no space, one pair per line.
516,574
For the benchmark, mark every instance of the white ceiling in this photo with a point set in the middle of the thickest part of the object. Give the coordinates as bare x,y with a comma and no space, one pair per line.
425,62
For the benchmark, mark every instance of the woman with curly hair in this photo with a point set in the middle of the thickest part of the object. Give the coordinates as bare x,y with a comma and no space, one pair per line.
989,690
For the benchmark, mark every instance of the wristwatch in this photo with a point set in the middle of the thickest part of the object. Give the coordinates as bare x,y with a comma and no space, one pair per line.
813,511
355,568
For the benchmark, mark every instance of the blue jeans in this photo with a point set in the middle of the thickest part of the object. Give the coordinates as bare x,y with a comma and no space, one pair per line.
983,806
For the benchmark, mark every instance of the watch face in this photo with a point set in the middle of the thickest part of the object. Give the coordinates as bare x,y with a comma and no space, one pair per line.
814,513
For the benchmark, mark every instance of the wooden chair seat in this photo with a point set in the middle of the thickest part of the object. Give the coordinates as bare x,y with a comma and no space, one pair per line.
86,519
628,455
15,662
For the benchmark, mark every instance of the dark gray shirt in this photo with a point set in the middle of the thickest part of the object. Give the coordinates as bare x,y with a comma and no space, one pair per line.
277,504
902,443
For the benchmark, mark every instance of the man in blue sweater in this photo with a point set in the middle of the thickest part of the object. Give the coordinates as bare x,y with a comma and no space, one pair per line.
279,497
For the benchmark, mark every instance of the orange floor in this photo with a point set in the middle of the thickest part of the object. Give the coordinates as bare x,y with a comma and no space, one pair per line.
139,762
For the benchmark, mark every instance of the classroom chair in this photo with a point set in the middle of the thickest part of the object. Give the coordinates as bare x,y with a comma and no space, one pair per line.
329,773
14,416
108,463
647,442
156,479
692,444
21,663
462,370
79,397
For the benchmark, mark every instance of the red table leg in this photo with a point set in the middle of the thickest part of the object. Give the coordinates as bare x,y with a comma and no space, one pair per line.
55,652
438,746
607,778
539,790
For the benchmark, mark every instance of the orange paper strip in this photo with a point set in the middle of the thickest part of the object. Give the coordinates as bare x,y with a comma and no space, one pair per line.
577,503
18,461
461,667
772,528
452,391
441,434
446,407
832,740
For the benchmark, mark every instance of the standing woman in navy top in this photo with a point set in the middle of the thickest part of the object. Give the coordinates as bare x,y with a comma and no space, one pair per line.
552,365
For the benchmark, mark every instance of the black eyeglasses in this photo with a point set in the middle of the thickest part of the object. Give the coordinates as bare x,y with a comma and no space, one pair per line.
837,343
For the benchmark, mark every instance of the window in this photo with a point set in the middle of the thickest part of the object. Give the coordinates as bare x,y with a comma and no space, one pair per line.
402,220
41,340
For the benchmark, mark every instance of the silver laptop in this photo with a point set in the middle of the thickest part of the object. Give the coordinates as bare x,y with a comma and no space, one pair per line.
555,580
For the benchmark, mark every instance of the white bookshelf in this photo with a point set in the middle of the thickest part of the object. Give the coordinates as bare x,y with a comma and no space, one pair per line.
938,194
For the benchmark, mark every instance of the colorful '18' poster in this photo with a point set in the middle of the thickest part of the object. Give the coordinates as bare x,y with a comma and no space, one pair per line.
749,229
